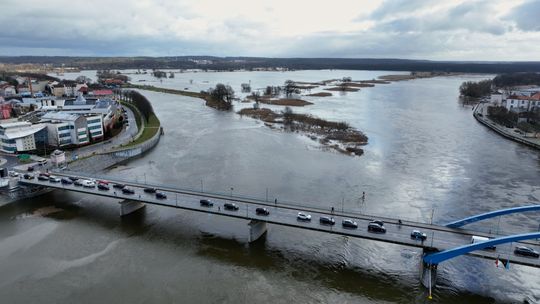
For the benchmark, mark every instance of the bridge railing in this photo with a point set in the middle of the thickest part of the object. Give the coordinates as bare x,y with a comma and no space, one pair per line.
359,210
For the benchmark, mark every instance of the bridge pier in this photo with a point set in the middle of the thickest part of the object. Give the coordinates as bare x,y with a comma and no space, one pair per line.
428,272
256,230
128,207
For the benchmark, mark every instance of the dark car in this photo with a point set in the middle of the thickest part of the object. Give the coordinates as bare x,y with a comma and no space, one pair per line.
66,181
230,206
128,191
119,186
73,178
78,182
374,227
43,178
325,220
150,190
378,222
417,235
101,186
526,251
30,169
349,224
206,203
262,211
161,195
28,176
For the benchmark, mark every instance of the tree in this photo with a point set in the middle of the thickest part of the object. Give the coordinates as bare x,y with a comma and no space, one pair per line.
223,95
288,116
289,87
83,79
475,89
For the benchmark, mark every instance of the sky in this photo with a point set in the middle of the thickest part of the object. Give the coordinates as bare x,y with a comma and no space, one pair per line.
481,30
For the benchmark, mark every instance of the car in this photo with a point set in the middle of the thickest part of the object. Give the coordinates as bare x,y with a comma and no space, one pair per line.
303,217
161,195
325,220
150,190
54,179
262,211
119,186
88,184
349,224
28,176
44,174
479,239
104,187
43,178
374,227
417,235
526,251
66,181
230,206
128,191
378,222
206,203
13,174
101,181
73,178
78,182
30,169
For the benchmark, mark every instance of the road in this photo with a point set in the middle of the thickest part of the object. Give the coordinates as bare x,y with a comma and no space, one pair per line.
439,237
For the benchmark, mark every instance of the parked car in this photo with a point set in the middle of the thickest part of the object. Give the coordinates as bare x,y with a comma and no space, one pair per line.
43,178
66,181
303,217
262,211
230,206
30,169
374,227
325,220
206,203
128,191
417,235
150,190
28,176
349,224
104,187
526,251
119,186
161,195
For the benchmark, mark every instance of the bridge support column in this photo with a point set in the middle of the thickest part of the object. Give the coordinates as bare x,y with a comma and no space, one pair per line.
428,272
128,207
256,230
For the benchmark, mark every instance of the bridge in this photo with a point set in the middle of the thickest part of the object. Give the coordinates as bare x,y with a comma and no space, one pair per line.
442,242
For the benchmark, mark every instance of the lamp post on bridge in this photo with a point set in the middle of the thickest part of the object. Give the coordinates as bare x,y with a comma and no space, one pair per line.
232,190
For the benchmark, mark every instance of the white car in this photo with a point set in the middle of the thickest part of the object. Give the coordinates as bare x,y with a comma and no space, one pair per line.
303,217
88,184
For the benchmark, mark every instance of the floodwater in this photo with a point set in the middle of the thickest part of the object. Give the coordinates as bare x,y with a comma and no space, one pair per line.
427,160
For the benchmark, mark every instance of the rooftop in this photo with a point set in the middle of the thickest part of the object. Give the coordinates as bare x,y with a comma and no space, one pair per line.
17,124
59,116
14,133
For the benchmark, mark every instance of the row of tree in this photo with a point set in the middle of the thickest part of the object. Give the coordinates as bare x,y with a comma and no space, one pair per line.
515,79
475,89
139,101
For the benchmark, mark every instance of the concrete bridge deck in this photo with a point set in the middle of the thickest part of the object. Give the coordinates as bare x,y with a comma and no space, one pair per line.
439,237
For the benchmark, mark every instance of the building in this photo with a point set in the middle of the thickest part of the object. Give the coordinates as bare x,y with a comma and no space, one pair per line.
106,107
7,90
66,129
58,158
102,93
522,103
22,136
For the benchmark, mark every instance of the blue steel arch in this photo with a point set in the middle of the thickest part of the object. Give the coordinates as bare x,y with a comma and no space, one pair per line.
491,214
436,258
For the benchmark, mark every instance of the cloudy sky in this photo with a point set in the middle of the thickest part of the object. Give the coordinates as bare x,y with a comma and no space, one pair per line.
413,29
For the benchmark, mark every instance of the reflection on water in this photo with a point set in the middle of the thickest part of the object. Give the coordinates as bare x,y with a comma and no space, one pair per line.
426,153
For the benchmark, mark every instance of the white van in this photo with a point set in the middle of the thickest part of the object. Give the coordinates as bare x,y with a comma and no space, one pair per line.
480,239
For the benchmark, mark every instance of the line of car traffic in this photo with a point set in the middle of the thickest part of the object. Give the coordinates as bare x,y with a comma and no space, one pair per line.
374,226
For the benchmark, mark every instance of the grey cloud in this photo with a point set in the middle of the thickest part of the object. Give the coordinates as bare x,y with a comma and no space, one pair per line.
526,16
468,16
393,7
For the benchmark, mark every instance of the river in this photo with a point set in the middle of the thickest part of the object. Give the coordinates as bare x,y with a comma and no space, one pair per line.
427,160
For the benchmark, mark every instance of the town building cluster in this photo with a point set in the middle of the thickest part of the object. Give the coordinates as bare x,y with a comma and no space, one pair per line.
517,100
59,115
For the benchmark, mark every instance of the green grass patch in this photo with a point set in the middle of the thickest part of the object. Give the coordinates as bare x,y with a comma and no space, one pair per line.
150,129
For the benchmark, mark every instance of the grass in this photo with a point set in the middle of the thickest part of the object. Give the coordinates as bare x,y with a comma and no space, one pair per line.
150,129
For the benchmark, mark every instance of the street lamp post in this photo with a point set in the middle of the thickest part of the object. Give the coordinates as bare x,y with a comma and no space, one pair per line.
232,190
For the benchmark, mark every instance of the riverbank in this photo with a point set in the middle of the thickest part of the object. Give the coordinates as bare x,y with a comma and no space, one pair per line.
415,75
481,115
209,101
